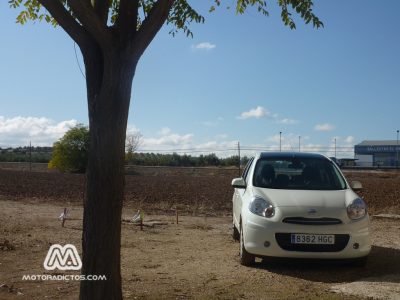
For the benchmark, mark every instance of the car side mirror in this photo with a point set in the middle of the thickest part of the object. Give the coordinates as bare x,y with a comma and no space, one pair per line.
356,185
239,183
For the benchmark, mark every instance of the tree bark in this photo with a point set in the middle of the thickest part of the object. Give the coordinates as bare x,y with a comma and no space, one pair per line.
109,78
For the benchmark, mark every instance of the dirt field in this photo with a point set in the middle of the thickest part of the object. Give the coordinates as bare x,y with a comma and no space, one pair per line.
196,259
195,191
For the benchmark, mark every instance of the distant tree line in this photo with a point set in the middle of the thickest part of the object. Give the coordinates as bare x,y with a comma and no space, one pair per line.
177,160
44,155
25,154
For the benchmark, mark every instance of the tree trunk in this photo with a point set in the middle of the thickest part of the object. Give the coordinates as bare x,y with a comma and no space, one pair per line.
109,80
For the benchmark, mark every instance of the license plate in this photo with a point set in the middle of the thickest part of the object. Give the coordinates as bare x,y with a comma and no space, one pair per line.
306,238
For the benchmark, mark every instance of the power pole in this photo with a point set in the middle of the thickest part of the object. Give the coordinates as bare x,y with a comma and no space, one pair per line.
239,156
30,156
397,150
299,142
280,141
335,148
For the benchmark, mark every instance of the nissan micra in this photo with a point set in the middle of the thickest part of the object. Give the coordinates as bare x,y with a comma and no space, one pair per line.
299,205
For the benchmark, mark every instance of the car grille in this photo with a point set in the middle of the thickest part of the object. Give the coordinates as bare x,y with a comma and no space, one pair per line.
284,241
312,221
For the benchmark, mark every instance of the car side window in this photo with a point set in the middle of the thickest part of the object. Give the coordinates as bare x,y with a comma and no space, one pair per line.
247,168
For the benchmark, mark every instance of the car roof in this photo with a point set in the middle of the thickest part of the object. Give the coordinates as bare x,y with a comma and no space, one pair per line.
291,155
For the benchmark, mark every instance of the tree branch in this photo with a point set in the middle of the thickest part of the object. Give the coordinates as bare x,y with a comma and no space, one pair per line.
91,22
127,17
101,8
66,21
150,26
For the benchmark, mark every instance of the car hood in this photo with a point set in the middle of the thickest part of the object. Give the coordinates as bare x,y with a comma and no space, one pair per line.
306,198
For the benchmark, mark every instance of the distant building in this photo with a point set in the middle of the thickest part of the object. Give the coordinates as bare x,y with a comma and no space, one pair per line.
344,162
348,162
377,153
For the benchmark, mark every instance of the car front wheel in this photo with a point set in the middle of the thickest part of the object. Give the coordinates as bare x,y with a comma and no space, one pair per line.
235,233
246,259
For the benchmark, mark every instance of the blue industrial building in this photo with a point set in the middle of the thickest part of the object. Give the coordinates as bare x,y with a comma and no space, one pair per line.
377,153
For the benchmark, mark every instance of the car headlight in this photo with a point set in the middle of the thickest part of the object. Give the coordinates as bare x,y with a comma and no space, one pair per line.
357,209
261,207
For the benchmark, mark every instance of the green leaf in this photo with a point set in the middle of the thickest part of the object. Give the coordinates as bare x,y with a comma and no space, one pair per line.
181,15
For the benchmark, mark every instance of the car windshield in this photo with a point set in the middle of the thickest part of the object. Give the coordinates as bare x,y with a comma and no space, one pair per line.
297,174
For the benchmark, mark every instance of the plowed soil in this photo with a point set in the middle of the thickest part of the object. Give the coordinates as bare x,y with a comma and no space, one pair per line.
193,191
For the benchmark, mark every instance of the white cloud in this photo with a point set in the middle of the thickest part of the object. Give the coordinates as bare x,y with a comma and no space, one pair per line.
344,147
167,139
289,141
261,112
317,148
275,138
324,127
207,46
335,138
164,131
287,121
349,139
19,131
222,149
132,129
257,113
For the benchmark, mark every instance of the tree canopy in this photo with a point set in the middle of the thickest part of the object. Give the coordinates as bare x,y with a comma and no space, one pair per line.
70,153
124,13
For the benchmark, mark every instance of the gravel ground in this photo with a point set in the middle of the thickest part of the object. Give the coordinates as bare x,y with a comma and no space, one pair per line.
196,259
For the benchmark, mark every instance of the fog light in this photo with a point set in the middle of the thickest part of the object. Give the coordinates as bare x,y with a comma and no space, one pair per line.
269,212
356,245
267,244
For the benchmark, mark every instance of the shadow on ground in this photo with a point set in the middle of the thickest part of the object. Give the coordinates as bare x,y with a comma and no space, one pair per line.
382,262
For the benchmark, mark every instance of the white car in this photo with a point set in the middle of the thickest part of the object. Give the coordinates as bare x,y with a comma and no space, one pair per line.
299,205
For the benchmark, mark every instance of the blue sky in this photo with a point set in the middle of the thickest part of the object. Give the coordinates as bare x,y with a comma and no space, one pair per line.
241,78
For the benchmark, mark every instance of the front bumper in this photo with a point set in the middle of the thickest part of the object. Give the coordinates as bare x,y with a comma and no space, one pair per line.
261,237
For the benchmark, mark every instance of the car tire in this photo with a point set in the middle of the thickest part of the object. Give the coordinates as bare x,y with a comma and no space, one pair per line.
246,259
359,262
235,233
